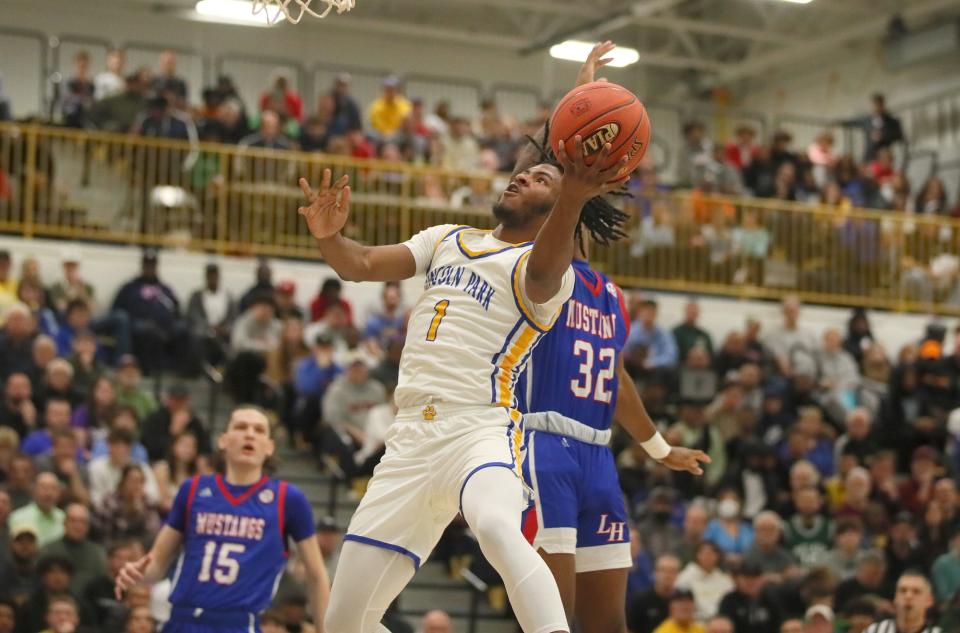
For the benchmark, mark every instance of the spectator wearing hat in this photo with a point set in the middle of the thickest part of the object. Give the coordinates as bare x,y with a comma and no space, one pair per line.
72,286
346,406
285,297
682,618
869,581
767,553
818,619
648,609
388,111
174,417
160,335
911,605
18,563
750,607
211,312
87,556
42,515
705,577
106,471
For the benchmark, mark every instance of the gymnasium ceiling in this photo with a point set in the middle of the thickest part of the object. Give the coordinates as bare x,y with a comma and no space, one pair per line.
712,41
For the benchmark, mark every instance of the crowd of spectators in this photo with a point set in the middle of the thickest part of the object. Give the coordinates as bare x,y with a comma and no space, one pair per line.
157,103
833,475
833,469
92,451
818,174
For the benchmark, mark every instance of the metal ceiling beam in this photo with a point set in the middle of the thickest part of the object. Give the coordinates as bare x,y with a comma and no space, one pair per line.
712,28
606,24
862,29
665,60
532,6
431,32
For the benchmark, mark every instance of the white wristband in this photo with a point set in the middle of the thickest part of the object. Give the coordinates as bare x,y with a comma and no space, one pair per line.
656,447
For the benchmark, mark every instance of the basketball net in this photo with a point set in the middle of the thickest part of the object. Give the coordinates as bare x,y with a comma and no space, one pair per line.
294,10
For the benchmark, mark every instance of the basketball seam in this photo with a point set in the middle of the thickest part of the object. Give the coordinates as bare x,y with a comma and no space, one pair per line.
586,90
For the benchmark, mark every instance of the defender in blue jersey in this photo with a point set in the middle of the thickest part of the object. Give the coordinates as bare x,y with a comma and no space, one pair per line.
233,530
574,386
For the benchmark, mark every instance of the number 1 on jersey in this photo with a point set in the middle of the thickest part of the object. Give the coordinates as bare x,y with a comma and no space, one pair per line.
441,311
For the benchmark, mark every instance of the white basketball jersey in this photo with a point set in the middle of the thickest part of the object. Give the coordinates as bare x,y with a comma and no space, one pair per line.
472,330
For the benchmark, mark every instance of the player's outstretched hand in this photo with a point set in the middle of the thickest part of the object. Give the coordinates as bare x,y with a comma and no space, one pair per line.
587,181
685,459
594,61
131,574
327,208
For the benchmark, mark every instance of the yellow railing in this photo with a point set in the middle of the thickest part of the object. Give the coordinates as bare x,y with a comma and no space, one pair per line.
221,198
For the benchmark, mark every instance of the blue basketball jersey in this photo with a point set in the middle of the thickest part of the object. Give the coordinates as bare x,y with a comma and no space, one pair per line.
235,543
573,370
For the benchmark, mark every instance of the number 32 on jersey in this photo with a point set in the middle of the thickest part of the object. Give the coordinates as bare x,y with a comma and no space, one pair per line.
584,385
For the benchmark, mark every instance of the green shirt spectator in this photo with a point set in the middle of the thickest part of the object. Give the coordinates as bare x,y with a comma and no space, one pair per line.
42,514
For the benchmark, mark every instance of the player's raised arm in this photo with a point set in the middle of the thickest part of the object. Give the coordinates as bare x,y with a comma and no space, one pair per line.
529,154
632,416
154,565
326,213
553,247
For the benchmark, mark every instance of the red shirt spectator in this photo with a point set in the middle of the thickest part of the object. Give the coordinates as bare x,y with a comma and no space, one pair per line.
283,100
330,295
881,168
741,151
360,145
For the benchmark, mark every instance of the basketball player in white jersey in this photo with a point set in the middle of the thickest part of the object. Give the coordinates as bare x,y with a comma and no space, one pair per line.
456,445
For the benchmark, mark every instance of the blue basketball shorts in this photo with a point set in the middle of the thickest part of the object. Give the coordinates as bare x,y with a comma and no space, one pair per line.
578,504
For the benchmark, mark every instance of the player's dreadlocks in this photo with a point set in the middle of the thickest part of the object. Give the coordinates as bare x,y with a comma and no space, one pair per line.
603,220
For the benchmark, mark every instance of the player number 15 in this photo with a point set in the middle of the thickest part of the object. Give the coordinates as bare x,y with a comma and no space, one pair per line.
227,568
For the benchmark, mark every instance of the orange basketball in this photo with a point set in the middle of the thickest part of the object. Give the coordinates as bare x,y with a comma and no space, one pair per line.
602,112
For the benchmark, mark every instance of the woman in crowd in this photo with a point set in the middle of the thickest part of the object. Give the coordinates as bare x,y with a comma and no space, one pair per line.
126,514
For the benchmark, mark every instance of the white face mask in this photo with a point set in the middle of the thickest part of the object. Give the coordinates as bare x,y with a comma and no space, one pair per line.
728,509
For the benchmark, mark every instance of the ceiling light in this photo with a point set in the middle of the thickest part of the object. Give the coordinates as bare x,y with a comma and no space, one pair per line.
234,12
577,51
797,1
